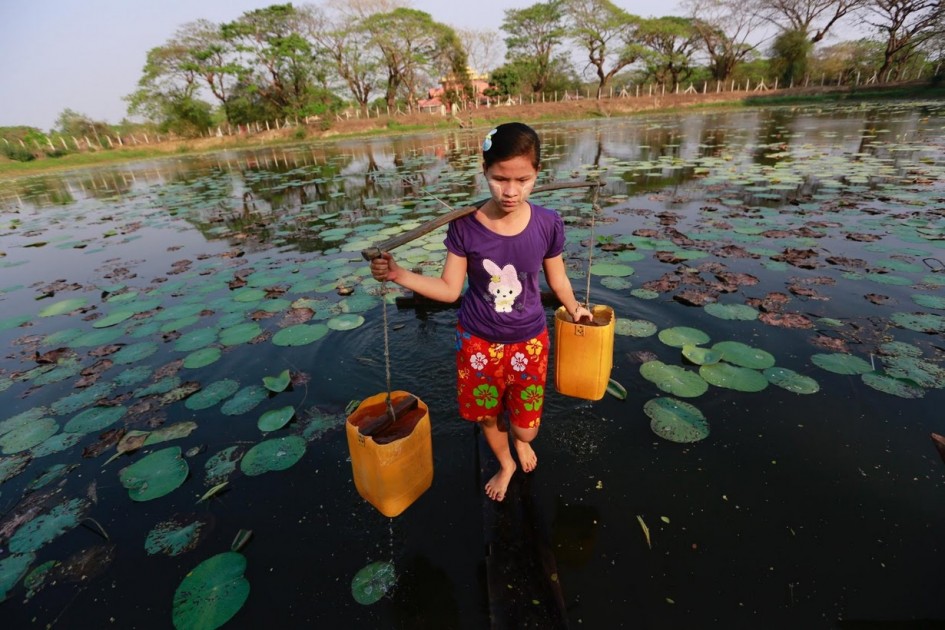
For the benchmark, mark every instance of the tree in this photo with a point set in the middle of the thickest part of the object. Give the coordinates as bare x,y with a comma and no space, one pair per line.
812,18
852,58
725,29
414,49
533,35
607,33
483,48
73,123
790,54
905,25
670,43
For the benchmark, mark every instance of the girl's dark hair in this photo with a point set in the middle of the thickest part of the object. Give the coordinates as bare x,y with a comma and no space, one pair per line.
509,141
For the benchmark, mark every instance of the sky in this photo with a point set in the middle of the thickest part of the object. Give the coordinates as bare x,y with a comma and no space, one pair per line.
86,55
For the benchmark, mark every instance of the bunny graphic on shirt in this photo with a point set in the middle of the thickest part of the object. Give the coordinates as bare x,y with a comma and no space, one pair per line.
504,285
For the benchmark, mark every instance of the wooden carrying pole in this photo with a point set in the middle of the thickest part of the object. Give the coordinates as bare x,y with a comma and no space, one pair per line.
373,252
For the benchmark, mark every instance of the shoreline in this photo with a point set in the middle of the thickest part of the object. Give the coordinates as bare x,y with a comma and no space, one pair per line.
580,109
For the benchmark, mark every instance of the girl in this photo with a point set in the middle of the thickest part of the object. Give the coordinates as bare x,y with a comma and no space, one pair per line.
502,336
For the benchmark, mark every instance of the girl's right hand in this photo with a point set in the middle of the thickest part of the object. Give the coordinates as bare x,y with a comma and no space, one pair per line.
384,268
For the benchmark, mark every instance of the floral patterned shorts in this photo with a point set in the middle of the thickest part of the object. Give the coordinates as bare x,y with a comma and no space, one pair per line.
497,377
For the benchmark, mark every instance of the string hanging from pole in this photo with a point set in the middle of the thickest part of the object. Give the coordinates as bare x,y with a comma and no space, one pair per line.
590,250
390,406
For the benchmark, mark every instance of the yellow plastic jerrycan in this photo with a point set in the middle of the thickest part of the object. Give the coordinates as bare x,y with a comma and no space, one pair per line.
392,462
584,353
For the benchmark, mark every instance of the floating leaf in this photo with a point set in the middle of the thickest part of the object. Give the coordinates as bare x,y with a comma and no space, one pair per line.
791,380
212,394
922,373
12,568
920,322
244,400
134,353
741,312
277,454
347,321
63,307
675,420
211,593
634,327
929,301
616,390
840,363
212,492
195,339
202,358
737,353
222,464
700,355
84,398
646,531
673,379
173,538
239,334
49,526
733,377
277,383
94,419
155,475
373,582
275,419
28,435
114,318
682,335
300,334
894,386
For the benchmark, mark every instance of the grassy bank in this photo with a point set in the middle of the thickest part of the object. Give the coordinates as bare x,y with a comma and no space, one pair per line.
483,117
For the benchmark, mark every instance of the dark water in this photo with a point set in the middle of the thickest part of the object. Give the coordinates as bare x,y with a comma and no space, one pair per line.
797,511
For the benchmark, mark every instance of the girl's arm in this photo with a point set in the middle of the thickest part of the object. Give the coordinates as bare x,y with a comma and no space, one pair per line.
560,284
446,288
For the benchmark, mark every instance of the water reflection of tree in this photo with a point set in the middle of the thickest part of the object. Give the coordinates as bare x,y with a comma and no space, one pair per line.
774,137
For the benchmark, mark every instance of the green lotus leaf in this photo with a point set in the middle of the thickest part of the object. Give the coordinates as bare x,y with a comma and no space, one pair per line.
196,339
676,421
841,363
248,295
12,568
212,394
900,349
920,322
922,373
347,321
299,335
12,466
173,538
611,269
890,385
615,283
133,375
700,355
220,465
680,336
741,312
155,475
373,582
10,323
96,338
673,379
732,377
211,593
134,353
616,390
276,454
277,383
929,301
634,327
60,337
358,303
162,386
791,380
275,419
114,318
244,400
63,307
240,334
49,526
56,444
202,358
28,435
65,369
51,474
179,324
740,354
180,311
888,278
22,419
94,419
645,294
174,431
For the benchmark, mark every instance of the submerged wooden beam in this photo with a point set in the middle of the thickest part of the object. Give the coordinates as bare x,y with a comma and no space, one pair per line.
371,253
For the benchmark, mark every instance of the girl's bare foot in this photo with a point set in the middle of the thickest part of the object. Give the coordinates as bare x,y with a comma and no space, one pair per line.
496,487
526,455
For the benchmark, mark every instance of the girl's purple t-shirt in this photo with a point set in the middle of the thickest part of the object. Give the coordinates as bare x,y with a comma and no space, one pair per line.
502,303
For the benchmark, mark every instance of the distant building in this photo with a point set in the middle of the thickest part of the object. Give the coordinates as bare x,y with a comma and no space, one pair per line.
435,102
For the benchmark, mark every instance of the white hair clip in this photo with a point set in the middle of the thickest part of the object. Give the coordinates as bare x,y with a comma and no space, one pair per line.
487,143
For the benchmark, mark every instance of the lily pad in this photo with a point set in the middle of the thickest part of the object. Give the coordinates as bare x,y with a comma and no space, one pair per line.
277,454
12,568
922,373
211,593
741,312
155,475
373,582
841,363
28,435
300,334
239,334
791,380
195,339
275,419
611,269
244,400
929,301
680,336
634,327
889,385
94,419
277,383
700,355
212,394
78,400
202,358
221,464
676,421
134,353
63,307
743,355
920,322
113,318
732,377
49,526
673,379
347,321
173,538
